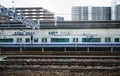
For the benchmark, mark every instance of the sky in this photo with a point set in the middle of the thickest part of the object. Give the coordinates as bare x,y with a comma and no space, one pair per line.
59,7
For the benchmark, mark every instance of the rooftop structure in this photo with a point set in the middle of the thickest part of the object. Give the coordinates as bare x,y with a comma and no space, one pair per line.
64,25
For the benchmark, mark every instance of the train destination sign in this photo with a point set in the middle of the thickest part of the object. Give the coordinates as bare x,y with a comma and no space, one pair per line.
12,14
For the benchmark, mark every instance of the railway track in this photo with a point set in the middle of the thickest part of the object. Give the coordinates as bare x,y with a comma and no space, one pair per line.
58,57
79,62
61,60
59,69
61,63
83,53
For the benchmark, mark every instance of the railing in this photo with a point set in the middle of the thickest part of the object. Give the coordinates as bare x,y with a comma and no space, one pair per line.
60,45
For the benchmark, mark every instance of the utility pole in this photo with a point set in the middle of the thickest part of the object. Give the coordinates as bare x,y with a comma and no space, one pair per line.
13,7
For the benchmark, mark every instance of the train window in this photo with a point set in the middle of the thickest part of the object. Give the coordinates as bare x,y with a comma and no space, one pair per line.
6,40
117,39
44,39
107,39
27,40
35,39
91,39
59,39
75,39
19,39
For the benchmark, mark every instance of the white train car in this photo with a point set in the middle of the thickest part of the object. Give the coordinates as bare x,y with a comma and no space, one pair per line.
61,36
65,34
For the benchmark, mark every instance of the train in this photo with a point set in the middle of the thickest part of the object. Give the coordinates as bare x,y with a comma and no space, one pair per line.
63,39
31,39
87,34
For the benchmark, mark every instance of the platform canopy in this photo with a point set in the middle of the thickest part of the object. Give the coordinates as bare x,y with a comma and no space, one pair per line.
12,14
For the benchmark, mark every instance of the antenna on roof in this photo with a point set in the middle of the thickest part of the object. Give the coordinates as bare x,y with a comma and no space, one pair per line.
55,19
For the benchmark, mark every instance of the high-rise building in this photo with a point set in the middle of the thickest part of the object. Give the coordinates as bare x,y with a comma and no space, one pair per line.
91,13
33,13
36,13
79,13
118,12
113,10
101,13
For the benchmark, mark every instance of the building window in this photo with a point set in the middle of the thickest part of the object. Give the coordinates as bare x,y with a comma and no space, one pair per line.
117,39
44,39
107,39
75,39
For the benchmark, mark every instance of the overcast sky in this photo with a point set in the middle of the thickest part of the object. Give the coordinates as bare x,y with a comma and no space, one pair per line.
59,7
